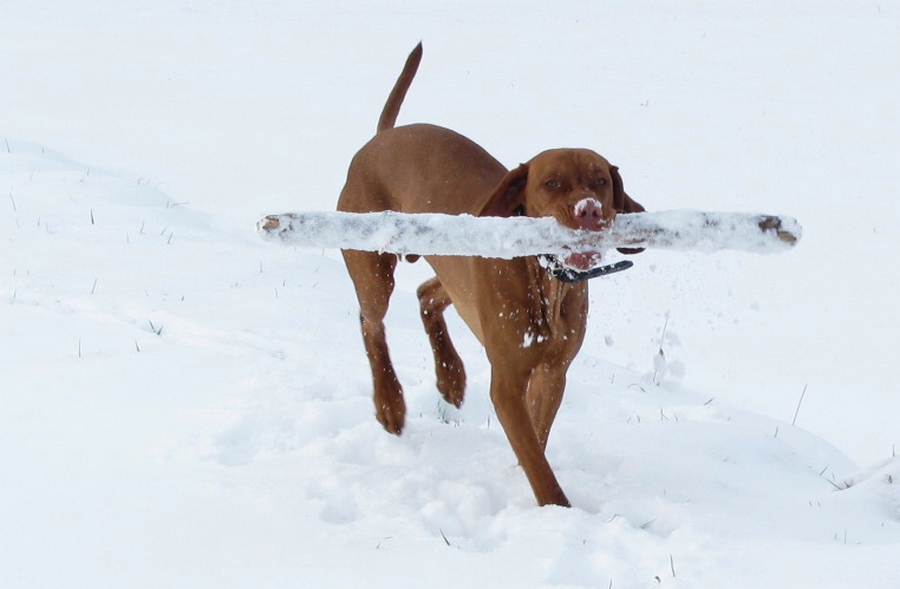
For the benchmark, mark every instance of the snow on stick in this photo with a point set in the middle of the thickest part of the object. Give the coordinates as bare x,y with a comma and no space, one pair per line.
496,237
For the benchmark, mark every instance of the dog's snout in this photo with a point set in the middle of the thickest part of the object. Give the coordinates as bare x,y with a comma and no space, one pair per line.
589,214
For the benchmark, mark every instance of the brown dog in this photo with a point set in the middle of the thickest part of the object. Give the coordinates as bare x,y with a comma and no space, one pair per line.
530,323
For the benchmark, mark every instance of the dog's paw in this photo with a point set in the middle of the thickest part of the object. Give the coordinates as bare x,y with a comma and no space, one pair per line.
451,382
391,413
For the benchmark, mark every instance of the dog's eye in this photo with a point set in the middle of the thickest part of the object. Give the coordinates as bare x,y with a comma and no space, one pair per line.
600,181
552,184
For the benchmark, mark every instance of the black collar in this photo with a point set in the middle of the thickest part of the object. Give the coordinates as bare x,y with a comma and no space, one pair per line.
565,274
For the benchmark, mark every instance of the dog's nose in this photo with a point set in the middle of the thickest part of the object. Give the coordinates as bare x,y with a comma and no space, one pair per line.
589,214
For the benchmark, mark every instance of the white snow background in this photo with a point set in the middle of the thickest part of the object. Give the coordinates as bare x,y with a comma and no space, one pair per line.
185,405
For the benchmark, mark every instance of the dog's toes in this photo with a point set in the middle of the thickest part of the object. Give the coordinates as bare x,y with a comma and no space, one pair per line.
453,394
392,415
451,382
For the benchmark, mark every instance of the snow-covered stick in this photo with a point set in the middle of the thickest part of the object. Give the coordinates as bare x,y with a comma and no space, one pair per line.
495,237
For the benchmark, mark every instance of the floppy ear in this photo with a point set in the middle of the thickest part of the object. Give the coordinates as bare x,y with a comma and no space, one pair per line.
624,204
621,200
508,199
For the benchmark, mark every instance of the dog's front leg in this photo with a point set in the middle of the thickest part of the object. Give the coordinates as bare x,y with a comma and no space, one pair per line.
508,393
545,394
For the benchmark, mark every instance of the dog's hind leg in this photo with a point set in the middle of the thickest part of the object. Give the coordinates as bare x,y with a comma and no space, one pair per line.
373,277
451,374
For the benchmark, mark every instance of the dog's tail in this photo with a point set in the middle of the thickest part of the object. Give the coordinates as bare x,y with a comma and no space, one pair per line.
392,106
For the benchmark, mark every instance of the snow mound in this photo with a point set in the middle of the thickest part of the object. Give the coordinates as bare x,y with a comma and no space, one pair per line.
184,406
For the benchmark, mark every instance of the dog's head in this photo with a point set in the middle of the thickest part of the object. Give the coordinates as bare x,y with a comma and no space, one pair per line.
577,187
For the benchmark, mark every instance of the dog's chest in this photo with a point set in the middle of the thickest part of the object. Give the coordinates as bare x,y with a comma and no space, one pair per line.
557,318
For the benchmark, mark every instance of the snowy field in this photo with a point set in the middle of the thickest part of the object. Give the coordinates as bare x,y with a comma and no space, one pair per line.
183,404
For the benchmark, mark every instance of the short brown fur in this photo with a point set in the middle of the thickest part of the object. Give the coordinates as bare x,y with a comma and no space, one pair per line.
531,324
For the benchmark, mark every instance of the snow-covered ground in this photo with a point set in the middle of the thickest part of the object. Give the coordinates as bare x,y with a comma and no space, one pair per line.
185,405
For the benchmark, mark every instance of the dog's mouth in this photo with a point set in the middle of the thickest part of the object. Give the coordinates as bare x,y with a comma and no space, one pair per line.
582,261
579,267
